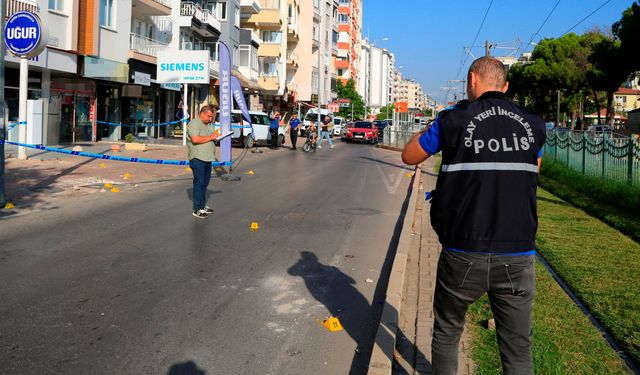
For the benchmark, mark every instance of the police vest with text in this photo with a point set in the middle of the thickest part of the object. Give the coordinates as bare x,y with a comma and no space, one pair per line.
485,198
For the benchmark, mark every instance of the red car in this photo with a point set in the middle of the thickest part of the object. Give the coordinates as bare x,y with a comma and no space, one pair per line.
362,131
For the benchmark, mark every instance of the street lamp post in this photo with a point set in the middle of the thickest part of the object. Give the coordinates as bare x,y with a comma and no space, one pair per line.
3,125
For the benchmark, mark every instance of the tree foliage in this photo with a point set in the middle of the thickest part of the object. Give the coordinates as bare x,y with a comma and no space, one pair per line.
585,68
348,91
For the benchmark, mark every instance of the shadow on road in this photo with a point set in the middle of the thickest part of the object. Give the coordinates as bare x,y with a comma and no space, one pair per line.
186,368
338,293
387,163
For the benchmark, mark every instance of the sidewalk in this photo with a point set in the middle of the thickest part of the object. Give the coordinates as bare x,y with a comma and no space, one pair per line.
33,183
403,340
413,344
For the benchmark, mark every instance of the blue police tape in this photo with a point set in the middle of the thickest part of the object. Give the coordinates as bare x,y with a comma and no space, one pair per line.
14,124
148,125
163,124
112,157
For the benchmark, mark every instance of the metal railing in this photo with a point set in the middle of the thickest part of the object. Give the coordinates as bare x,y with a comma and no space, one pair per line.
188,8
597,154
270,4
13,6
145,45
393,137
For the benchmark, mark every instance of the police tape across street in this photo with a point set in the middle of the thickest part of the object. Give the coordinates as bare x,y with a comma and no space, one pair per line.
113,157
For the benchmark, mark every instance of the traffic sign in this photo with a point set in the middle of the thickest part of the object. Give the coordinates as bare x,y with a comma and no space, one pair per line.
23,34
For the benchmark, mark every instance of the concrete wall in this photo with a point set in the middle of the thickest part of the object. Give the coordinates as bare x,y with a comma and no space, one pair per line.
114,42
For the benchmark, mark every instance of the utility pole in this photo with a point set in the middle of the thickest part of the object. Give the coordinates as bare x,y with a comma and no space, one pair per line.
321,67
487,48
3,125
558,109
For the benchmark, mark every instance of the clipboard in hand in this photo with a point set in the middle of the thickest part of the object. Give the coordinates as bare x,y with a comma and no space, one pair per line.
224,135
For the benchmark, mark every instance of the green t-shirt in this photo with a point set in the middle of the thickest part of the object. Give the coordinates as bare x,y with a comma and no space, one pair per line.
203,151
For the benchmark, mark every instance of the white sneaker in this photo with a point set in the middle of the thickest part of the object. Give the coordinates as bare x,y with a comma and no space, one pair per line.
319,146
332,146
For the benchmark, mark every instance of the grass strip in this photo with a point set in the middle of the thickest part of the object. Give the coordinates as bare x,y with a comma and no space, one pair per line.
599,263
616,204
564,341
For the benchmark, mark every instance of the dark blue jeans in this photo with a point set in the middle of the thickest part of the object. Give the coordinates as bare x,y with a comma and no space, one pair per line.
201,177
510,282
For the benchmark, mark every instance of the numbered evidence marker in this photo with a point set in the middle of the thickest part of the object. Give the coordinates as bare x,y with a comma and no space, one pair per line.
255,226
250,173
332,324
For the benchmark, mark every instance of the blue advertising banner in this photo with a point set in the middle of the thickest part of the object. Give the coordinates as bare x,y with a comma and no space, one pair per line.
225,101
236,89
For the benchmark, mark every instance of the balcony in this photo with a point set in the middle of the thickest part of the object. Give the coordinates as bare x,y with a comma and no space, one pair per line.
292,33
268,17
269,81
342,64
150,8
200,20
269,50
250,6
292,59
144,49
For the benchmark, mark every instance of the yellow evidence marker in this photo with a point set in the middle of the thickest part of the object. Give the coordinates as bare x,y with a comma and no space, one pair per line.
188,169
108,185
115,190
255,226
250,173
9,206
102,165
410,174
126,176
332,324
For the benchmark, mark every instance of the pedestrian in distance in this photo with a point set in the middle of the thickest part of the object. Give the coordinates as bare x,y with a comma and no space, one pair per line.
273,130
324,131
201,149
294,125
484,213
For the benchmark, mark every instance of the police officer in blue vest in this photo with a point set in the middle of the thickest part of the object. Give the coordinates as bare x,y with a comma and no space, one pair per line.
484,213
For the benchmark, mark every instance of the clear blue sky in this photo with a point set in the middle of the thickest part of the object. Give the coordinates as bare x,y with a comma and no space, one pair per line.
428,36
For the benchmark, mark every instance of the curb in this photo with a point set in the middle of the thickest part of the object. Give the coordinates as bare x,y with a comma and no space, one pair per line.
385,147
384,346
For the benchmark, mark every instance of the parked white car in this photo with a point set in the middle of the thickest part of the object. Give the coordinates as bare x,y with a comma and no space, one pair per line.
260,121
338,124
312,115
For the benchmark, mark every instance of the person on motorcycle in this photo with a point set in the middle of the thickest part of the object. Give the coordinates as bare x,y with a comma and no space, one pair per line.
312,133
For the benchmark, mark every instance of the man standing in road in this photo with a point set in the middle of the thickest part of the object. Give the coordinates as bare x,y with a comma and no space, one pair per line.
324,131
200,137
294,124
484,212
273,130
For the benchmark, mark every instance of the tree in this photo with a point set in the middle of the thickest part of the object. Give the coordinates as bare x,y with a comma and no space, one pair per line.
348,91
386,112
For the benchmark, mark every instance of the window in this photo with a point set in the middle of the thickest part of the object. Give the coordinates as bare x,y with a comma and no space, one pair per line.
343,18
212,47
245,56
107,12
56,5
221,11
237,17
236,56
272,37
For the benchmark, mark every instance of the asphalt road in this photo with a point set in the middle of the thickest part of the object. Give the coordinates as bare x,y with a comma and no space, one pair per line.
131,283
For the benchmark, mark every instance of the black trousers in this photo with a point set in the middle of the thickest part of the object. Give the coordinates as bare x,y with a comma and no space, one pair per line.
274,138
510,283
294,138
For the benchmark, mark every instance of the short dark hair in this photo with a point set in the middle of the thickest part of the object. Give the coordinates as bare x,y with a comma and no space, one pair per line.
491,70
207,109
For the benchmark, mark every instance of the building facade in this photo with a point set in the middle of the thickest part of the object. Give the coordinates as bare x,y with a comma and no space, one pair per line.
349,20
378,76
412,93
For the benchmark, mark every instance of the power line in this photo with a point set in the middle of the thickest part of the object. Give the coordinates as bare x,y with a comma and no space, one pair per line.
541,26
584,19
486,13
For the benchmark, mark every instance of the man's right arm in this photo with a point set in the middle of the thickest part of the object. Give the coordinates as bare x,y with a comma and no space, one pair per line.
423,145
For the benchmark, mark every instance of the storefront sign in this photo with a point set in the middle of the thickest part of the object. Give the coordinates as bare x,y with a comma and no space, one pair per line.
23,34
402,107
170,86
185,67
143,79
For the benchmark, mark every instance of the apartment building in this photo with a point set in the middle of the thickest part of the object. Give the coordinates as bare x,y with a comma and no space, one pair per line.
99,69
412,93
349,40
378,74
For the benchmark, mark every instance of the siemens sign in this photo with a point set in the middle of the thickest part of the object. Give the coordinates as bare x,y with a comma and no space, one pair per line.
183,67
23,34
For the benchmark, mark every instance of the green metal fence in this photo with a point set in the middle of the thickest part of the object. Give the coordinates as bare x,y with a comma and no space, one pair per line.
603,155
